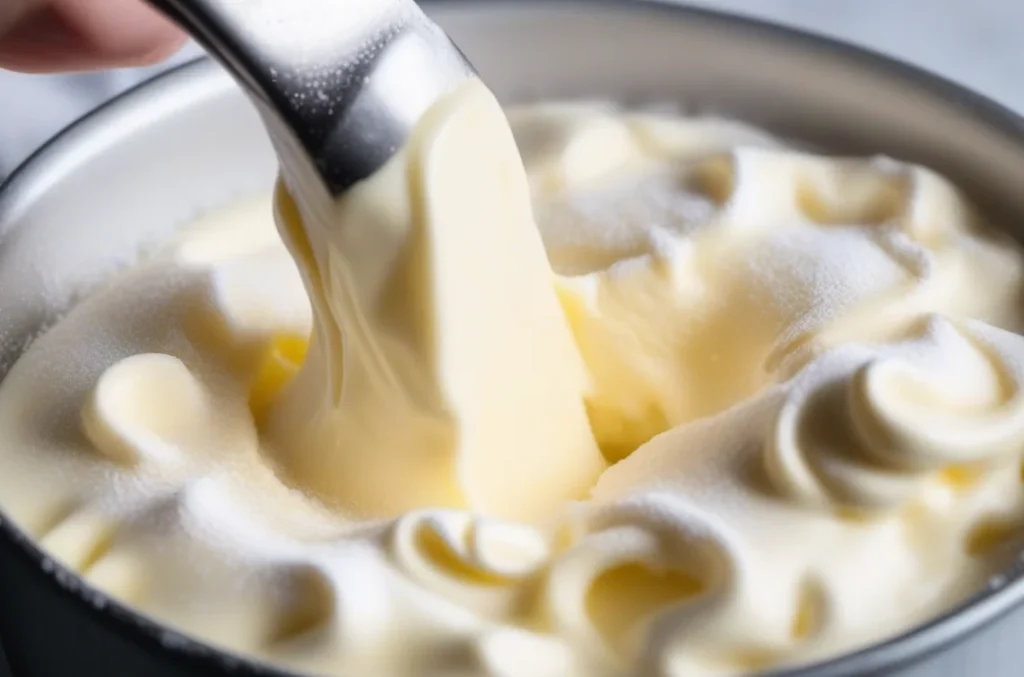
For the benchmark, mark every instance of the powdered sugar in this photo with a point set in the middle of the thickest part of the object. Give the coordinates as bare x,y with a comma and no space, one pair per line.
313,32
593,227
761,267
810,276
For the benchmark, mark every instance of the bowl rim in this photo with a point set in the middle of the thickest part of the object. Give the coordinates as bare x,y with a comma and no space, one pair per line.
27,182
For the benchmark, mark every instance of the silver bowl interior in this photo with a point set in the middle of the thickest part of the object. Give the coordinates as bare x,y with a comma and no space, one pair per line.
123,179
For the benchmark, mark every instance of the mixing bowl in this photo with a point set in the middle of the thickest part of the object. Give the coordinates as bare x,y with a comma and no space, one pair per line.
130,174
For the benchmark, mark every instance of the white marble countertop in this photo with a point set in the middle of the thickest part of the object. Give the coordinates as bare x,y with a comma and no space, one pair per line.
978,43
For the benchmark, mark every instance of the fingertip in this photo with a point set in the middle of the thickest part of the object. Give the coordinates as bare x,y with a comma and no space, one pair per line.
120,32
163,49
70,35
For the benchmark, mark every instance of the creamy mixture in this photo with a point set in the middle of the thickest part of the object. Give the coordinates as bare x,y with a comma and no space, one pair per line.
677,399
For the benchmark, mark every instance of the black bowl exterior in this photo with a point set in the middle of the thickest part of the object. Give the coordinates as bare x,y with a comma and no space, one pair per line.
49,632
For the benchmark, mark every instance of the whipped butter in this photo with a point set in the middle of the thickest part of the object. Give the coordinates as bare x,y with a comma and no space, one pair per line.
441,370
580,393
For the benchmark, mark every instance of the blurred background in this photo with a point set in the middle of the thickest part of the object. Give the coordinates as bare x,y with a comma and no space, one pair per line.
979,44
976,43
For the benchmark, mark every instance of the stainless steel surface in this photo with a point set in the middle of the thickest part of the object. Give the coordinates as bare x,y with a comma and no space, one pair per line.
132,174
349,78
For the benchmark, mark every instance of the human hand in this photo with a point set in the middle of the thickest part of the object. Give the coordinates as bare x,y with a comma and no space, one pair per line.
39,36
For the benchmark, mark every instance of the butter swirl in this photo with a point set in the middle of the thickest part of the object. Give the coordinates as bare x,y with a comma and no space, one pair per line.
730,405
863,435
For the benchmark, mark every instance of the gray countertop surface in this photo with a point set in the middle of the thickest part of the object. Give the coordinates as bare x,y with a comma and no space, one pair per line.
977,43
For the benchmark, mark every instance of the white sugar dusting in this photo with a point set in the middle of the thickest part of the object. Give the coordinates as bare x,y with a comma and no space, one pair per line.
624,220
810,275
313,31
801,271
